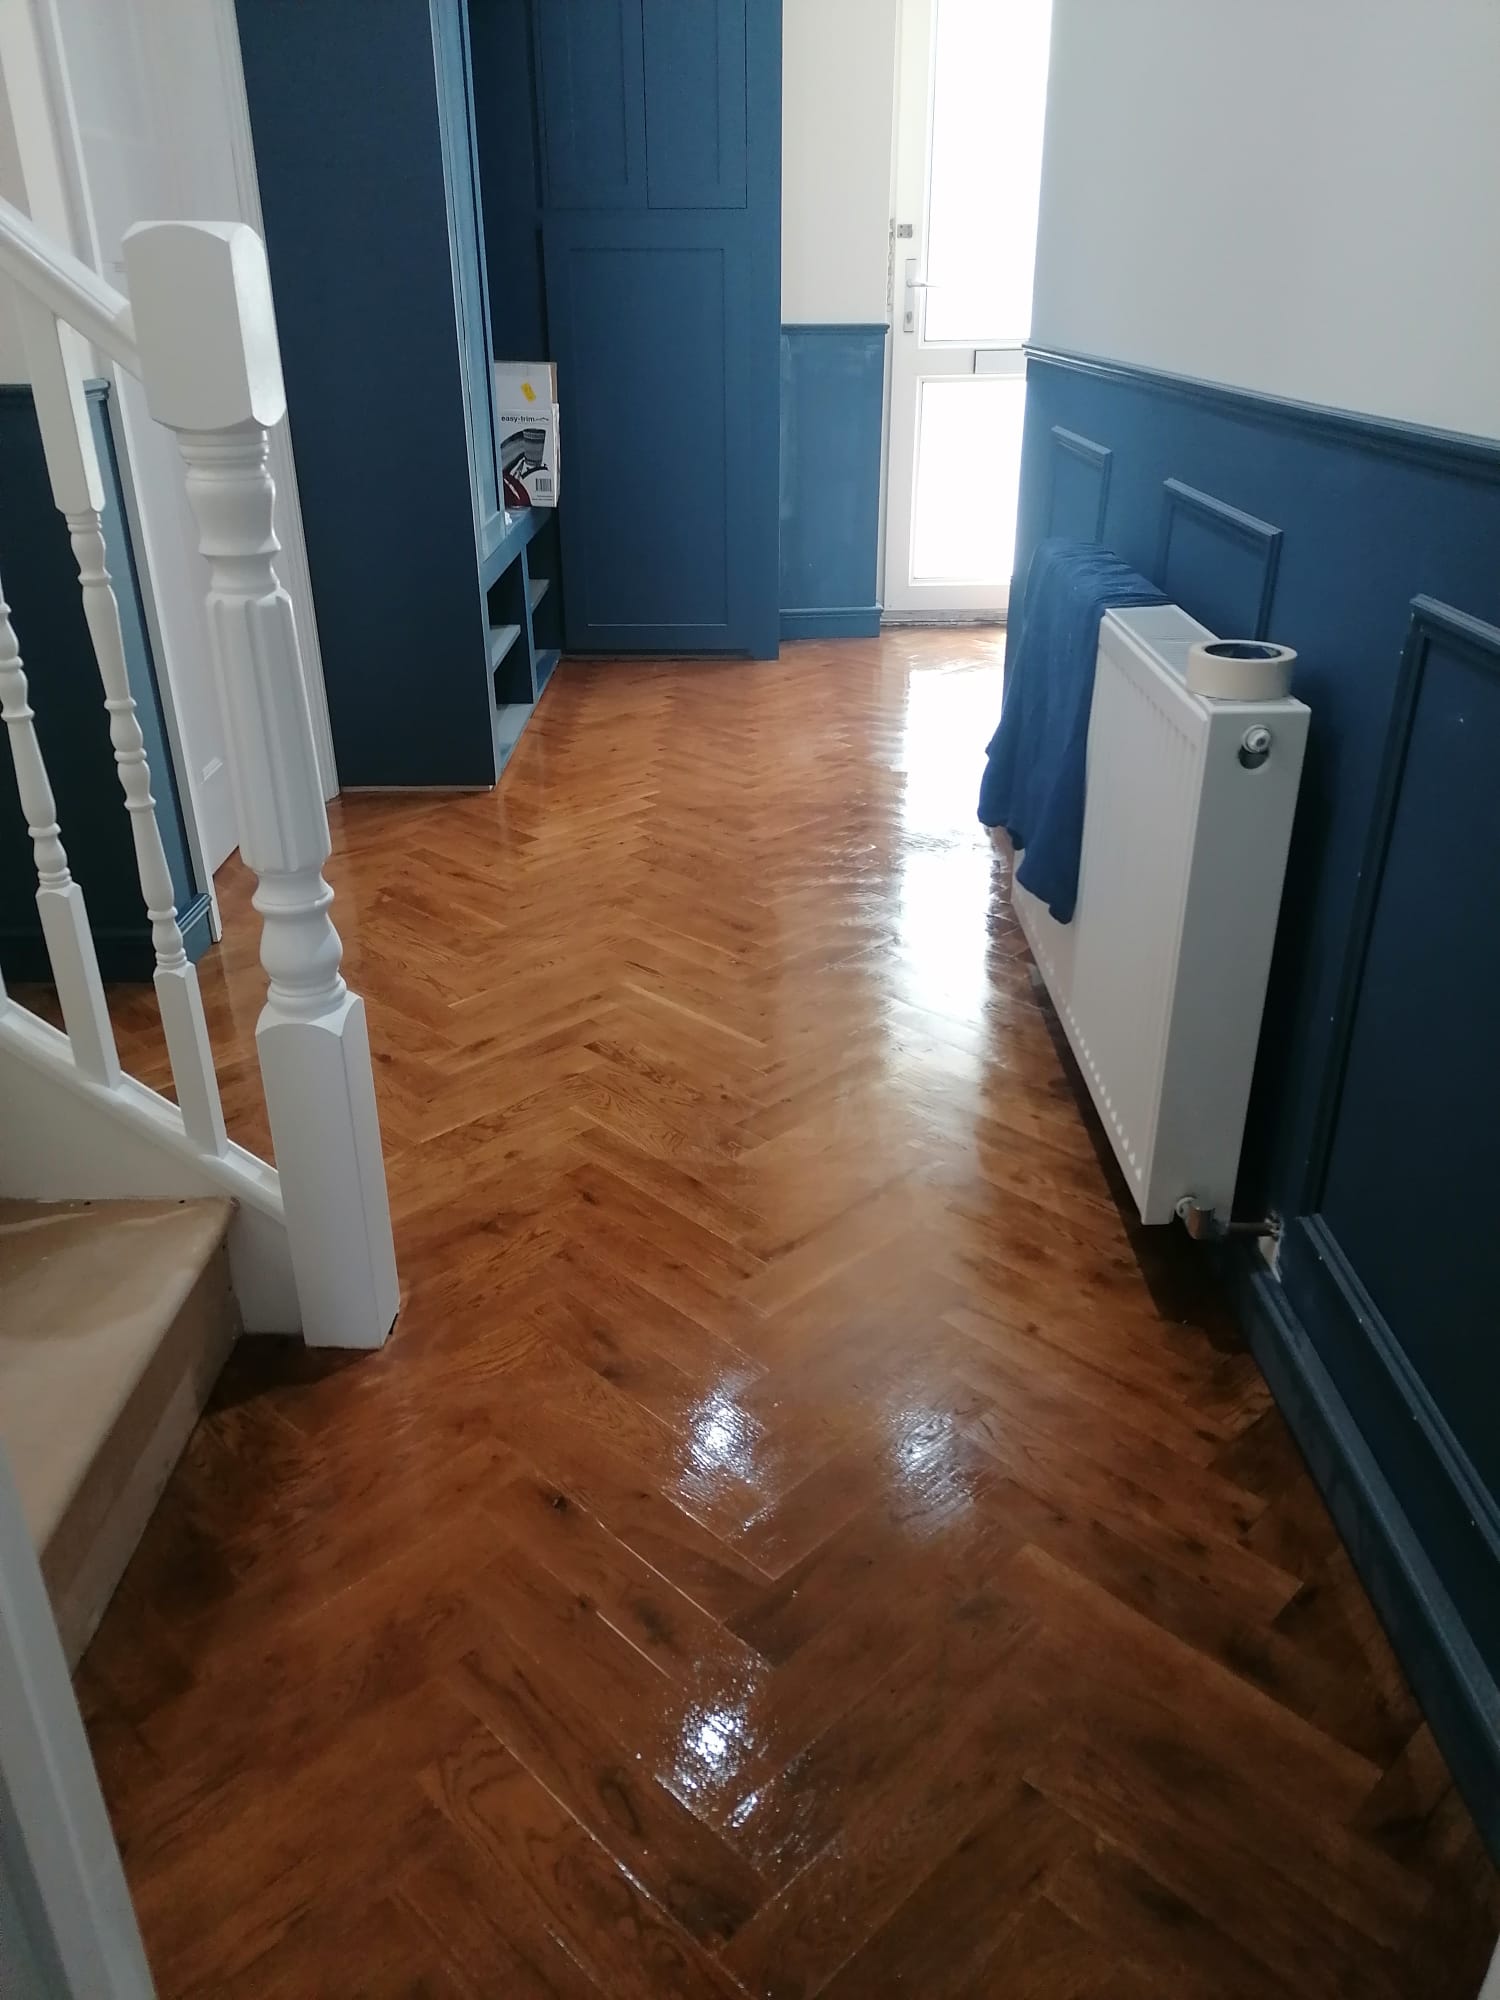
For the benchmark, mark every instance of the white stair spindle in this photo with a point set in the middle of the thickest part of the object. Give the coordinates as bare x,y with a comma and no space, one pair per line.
73,467
65,924
209,361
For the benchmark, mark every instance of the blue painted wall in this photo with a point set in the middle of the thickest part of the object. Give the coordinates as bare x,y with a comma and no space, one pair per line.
832,405
1371,548
501,33
361,154
41,583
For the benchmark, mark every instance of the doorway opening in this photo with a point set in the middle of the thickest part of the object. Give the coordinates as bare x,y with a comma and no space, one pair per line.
971,101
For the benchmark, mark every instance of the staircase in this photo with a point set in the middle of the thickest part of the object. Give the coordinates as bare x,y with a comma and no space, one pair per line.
136,1237
115,1318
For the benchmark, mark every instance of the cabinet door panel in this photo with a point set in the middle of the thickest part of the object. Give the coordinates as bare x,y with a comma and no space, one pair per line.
643,363
593,103
695,72
665,321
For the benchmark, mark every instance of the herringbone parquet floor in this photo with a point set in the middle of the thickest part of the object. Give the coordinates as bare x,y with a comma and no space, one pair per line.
801,1539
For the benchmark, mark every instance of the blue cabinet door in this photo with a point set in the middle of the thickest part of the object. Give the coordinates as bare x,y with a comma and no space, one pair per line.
665,324
696,110
593,112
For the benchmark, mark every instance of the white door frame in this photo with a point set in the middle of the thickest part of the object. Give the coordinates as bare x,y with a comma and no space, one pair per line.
914,359
62,1868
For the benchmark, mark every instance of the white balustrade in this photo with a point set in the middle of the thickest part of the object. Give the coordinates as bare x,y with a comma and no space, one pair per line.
73,468
199,331
65,924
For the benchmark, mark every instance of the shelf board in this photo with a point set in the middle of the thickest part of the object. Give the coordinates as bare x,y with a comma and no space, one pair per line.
502,638
545,663
509,534
510,720
538,590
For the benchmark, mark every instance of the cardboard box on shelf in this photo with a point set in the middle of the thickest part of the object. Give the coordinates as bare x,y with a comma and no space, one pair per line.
526,430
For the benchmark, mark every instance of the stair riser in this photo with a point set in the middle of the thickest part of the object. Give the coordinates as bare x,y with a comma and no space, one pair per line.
86,1554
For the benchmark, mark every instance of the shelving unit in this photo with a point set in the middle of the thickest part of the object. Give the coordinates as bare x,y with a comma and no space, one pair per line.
524,635
502,638
351,125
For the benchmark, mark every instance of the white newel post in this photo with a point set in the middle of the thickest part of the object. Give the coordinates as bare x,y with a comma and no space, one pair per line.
201,296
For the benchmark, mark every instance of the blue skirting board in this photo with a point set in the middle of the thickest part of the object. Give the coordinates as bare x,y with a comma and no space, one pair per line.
1370,546
832,410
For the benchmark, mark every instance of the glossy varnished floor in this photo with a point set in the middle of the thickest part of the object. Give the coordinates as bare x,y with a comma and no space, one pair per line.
800,1540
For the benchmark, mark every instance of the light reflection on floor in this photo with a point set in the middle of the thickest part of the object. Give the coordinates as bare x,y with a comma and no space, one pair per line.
946,859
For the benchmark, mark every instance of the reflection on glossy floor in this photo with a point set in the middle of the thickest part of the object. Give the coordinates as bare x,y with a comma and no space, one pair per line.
800,1540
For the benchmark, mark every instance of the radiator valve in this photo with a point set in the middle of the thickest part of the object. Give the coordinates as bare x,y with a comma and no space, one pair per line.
1206,1225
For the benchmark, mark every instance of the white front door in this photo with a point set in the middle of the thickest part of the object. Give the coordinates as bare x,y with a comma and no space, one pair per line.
972,91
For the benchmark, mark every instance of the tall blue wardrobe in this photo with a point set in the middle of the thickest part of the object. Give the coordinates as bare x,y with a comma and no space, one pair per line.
595,182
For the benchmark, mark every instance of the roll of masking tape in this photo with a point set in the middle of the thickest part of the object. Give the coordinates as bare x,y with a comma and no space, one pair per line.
1240,670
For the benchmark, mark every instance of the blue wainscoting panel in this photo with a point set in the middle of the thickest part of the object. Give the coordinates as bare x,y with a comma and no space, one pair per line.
1078,502
1217,561
1424,1005
832,405
1392,1278
1370,547
1369,1500
696,130
41,582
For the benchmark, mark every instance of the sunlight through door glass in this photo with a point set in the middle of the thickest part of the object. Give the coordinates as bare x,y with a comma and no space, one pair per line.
989,103
968,478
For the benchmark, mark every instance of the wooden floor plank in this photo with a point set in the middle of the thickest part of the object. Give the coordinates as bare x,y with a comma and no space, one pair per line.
804,1536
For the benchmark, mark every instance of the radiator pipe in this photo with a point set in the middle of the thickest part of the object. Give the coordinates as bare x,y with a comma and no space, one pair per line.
1204,1225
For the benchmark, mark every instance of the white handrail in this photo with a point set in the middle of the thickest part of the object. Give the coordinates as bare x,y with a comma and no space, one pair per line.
69,289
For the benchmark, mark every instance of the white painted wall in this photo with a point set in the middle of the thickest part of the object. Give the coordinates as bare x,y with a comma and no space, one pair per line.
12,358
1295,196
838,113
122,66
149,122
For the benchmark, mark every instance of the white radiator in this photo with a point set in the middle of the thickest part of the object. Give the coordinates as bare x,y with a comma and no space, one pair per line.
1160,979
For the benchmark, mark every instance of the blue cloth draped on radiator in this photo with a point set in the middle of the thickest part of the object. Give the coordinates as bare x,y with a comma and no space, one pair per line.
1034,783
